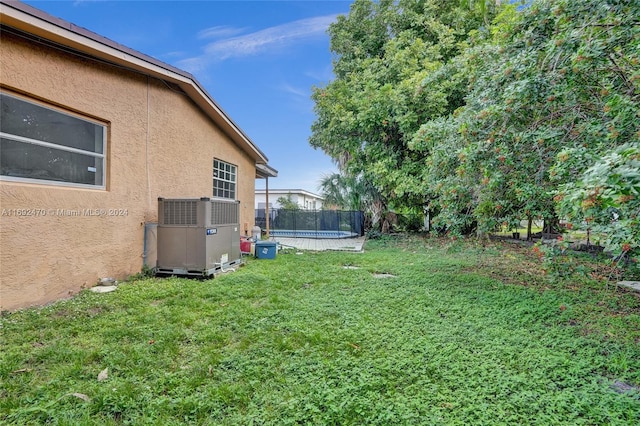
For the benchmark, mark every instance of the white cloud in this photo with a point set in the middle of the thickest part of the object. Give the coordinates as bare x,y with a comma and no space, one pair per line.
324,75
296,91
174,54
299,99
219,32
192,65
263,41
280,35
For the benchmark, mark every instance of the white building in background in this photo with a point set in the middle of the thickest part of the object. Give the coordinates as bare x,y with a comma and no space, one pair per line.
305,199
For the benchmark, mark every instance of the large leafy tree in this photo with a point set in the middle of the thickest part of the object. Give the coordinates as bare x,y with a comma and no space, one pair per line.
553,89
533,116
383,53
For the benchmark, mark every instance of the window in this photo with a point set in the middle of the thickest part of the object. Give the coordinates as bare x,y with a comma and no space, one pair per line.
46,145
224,180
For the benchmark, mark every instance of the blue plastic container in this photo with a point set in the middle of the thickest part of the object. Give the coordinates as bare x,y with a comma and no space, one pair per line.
266,249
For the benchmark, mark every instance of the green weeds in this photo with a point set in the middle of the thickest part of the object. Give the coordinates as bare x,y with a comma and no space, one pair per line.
455,333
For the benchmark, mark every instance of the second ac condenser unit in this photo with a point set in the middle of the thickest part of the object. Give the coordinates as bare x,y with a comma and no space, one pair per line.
198,237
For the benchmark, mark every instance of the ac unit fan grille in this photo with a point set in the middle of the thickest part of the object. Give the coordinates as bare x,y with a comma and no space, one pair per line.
180,213
223,213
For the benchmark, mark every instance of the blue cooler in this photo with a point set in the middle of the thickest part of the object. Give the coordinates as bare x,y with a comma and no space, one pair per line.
266,249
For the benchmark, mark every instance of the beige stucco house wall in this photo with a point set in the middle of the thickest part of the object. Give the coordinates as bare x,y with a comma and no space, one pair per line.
163,132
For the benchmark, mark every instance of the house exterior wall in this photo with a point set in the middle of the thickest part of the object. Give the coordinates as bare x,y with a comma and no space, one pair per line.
159,144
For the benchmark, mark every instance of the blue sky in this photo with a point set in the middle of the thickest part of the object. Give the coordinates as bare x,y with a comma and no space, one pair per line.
258,59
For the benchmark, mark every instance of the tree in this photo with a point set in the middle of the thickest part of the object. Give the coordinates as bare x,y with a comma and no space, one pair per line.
554,85
384,51
287,204
489,124
606,200
479,4
355,193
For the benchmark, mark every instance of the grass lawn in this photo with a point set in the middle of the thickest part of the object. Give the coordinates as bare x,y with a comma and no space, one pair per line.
412,331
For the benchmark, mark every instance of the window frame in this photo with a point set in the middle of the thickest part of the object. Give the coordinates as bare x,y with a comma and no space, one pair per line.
233,170
55,146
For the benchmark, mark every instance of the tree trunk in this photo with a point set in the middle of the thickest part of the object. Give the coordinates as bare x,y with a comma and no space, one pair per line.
551,226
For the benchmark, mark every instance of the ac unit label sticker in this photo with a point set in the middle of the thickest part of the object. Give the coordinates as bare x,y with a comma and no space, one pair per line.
212,231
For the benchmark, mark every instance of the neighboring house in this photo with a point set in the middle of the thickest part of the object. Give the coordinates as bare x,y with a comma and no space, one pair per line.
304,199
92,133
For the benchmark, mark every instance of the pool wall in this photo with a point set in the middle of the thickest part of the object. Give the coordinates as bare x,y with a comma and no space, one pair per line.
311,234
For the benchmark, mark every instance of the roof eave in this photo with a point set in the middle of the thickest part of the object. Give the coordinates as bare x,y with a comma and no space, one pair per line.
26,18
264,171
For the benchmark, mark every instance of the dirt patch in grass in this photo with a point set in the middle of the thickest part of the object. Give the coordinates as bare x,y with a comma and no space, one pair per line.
509,263
622,387
383,275
95,310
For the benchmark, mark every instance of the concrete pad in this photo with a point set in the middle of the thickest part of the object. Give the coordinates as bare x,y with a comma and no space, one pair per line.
633,285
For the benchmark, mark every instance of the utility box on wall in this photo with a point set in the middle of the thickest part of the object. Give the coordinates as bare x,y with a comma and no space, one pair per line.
197,237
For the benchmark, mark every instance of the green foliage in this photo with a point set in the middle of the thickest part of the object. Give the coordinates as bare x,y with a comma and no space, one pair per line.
146,272
606,200
384,51
557,262
484,113
287,204
410,221
355,193
552,90
415,331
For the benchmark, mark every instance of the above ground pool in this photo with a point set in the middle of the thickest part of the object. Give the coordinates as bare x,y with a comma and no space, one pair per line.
311,234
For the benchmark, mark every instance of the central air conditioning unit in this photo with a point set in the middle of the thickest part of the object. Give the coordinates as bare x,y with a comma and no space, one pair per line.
197,237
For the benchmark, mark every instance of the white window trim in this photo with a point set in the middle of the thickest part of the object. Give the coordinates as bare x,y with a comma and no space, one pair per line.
23,139
235,183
